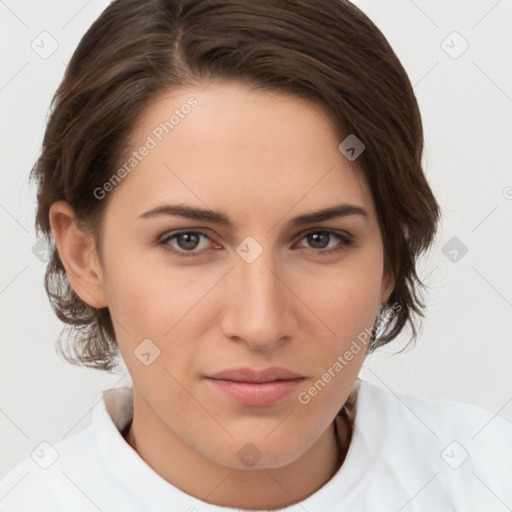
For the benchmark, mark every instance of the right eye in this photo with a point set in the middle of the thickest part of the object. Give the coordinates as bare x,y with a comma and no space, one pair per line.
189,241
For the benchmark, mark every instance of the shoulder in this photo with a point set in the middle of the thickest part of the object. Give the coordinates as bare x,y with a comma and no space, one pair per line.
41,480
460,455
441,417
80,469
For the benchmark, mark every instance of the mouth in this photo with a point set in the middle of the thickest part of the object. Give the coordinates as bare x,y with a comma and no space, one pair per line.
256,393
255,387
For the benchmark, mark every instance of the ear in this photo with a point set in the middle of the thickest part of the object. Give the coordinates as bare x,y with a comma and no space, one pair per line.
77,251
388,280
388,285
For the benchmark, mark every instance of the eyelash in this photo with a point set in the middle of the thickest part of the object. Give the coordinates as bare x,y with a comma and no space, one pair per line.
346,241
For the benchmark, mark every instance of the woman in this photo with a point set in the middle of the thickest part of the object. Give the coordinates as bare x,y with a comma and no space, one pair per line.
236,198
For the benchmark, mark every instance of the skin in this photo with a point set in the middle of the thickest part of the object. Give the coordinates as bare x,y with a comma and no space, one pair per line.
261,158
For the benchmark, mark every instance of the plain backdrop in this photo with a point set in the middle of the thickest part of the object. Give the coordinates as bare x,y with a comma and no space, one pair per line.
457,55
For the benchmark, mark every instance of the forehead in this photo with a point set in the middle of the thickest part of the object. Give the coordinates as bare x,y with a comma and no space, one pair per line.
226,146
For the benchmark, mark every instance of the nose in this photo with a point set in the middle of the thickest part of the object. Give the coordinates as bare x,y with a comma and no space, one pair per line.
258,304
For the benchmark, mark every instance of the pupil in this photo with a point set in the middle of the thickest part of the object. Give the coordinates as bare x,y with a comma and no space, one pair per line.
314,238
187,237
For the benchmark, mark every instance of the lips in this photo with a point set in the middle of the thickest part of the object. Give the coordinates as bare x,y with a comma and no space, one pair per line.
246,374
253,387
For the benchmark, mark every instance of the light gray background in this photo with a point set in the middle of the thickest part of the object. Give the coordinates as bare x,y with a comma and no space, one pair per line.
465,349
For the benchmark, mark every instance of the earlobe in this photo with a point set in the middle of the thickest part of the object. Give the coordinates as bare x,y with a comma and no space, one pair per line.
77,252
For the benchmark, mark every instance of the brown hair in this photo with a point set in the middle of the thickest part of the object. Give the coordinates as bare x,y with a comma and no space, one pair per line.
327,51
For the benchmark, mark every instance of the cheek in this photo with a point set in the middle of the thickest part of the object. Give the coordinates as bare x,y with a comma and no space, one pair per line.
158,301
345,296
134,291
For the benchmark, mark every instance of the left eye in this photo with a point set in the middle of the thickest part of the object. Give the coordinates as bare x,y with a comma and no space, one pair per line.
319,237
188,241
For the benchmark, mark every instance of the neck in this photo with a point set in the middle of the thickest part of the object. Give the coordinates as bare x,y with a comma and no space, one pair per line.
190,471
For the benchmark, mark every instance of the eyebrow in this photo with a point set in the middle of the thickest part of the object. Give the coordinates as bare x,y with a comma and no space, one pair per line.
216,217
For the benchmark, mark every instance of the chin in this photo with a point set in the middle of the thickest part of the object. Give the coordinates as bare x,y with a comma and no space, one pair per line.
249,456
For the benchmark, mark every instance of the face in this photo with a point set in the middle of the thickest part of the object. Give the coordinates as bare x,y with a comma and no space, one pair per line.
194,296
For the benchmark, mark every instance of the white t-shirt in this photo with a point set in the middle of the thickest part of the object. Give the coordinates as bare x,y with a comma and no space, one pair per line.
406,454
